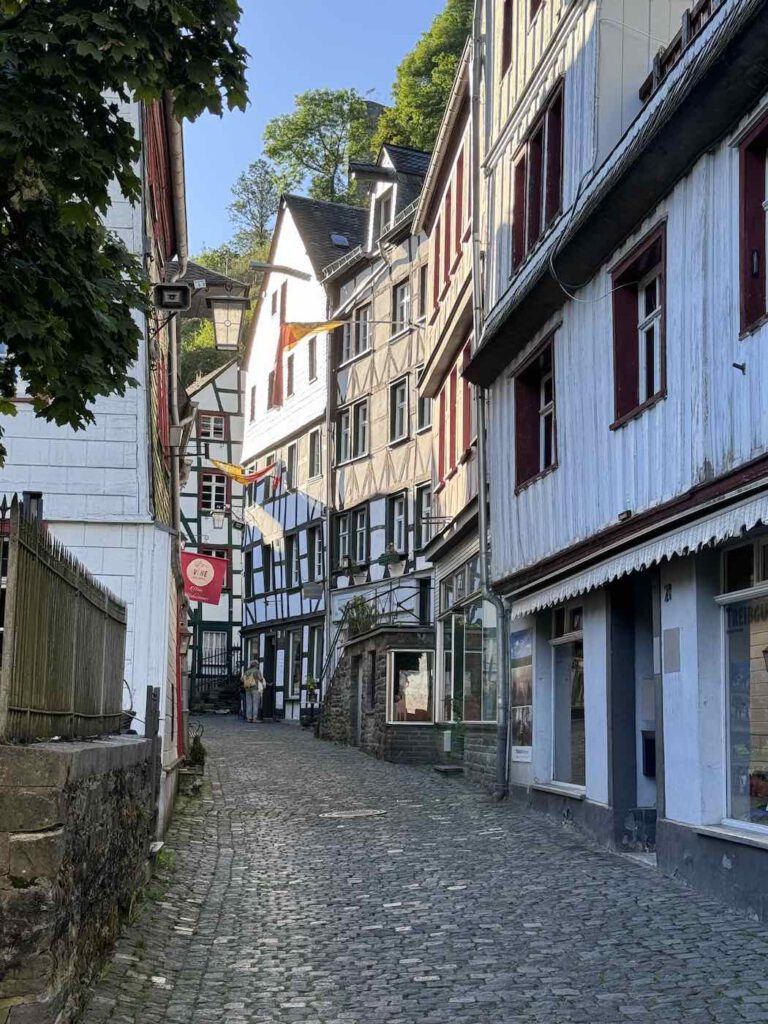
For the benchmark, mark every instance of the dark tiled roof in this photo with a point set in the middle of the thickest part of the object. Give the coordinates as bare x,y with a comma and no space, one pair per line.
316,221
408,190
408,161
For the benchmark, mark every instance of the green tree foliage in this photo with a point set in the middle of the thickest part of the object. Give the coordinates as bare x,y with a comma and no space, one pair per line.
67,286
256,197
315,142
424,78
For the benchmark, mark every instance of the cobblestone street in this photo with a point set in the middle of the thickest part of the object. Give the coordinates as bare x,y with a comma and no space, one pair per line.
438,907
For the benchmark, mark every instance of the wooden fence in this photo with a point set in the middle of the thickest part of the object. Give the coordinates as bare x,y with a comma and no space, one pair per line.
62,642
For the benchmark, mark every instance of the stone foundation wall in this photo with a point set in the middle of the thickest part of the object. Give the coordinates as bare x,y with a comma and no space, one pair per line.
76,823
479,758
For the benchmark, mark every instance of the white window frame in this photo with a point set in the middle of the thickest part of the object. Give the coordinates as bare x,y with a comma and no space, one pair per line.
360,431
359,518
292,465
316,555
208,421
218,492
290,378
399,522
398,410
650,322
401,307
391,682
423,515
569,637
295,655
546,410
316,457
292,558
343,538
423,405
345,435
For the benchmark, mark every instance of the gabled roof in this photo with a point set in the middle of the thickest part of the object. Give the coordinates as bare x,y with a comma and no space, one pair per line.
202,382
316,221
406,160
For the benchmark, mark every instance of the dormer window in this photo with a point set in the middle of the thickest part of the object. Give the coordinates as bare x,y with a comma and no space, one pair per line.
383,215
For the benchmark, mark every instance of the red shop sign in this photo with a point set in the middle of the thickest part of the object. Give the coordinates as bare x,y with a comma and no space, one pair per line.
203,576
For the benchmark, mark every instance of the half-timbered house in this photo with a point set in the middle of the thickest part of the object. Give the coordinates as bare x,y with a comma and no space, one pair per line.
623,347
212,523
286,391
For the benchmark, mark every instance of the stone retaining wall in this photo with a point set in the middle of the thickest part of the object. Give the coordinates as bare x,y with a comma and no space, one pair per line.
76,823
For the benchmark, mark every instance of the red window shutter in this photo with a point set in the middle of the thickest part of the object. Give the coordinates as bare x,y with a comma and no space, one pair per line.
436,267
535,158
753,222
518,214
554,170
506,38
452,420
447,239
625,349
459,201
441,438
467,403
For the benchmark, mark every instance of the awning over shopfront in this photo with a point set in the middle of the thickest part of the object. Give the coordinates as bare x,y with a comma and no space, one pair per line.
712,529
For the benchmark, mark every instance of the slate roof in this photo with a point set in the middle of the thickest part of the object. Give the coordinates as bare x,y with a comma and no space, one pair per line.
408,161
316,221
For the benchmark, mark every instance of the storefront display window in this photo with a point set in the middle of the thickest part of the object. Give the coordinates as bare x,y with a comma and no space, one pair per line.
410,687
469,663
569,752
521,694
746,634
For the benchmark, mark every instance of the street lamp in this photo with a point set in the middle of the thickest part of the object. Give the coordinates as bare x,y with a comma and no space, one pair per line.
228,311
218,516
185,636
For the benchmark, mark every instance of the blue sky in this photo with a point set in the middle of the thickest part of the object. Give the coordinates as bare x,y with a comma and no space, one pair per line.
294,45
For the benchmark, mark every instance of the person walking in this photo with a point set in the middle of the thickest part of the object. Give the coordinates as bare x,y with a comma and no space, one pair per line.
253,684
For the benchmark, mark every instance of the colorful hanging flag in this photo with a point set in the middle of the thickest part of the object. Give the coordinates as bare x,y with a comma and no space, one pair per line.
204,576
290,335
238,474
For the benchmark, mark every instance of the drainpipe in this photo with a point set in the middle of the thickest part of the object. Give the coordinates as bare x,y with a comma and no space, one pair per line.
502,689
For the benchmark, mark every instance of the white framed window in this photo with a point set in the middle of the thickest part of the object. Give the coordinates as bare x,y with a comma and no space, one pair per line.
315,455
315,653
356,334
410,686
649,327
315,553
401,306
289,387
547,418
213,492
342,539
423,289
294,663
312,358
213,427
398,410
344,440
360,436
213,651
383,217
360,526
398,522
292,574
292,465
423,405
569,739
423,522
268,461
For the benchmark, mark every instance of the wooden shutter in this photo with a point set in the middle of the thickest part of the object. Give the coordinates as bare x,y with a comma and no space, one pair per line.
753,223
518,213
459,201
553,197
452,420
535,182
527,424
506,37
441,438
625,349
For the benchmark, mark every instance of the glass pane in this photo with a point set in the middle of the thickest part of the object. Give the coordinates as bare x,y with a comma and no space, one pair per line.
490,663
447,709
569,752
650,362
447,594
651,299
411,689
547,454
473,662
739,568
521,678
746,626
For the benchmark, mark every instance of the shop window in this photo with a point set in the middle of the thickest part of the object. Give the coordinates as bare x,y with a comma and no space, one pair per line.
535,429
410,687
469,675
521,694
639,318
569,751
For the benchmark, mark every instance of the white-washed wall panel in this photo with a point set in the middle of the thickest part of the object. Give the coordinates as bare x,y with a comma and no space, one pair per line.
713,419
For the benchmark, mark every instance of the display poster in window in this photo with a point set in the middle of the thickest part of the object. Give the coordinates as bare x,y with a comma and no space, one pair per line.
521,703
204,576
411,687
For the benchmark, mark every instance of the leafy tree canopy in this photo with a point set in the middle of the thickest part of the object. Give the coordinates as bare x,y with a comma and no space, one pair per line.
256,197
424,78
315,142
68,286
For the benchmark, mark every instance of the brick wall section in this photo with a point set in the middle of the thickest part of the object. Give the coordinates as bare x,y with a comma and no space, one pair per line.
77,822
480,754
408,744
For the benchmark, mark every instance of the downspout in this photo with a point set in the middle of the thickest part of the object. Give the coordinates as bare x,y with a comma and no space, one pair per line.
502,689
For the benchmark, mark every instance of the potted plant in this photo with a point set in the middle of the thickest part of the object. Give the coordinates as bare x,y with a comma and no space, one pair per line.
393,560
360,615
360,573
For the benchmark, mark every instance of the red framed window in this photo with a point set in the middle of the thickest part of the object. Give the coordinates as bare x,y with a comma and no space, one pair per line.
535,423
753,156
226,555
441,438
467,401
538,178
639,326
212,426
506,38
436,252
459,201
447,239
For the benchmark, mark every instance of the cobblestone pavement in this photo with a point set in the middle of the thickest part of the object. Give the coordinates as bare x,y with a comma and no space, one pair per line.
440,908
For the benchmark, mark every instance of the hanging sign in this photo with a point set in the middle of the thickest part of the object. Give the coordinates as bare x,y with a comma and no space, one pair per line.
203,576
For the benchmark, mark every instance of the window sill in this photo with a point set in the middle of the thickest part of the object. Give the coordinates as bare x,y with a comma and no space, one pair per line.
424,430
440,487
451,474
349,462
466,455
534,479
396,442
354,359
733,834
402,333
561,789
638,411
